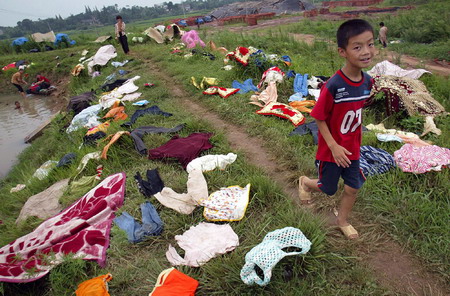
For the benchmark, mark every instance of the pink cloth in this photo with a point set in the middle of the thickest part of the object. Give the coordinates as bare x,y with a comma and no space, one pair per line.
419,160
191,39
82,229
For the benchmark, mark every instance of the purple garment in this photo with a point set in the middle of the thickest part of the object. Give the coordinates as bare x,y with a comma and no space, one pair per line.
184,149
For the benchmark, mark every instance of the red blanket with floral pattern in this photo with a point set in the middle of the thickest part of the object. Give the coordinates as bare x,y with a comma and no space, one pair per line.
82,229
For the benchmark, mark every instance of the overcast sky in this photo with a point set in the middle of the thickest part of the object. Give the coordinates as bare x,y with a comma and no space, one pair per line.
12,11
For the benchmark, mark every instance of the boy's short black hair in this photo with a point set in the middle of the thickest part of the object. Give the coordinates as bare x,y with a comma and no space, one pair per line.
350,29
382,24
118,17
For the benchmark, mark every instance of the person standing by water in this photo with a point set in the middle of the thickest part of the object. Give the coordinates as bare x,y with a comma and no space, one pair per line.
17,80
382,35
120,34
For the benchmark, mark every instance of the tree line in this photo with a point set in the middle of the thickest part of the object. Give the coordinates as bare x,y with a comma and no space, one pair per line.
106,16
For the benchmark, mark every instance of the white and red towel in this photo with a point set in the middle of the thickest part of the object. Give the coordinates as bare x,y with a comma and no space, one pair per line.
81,229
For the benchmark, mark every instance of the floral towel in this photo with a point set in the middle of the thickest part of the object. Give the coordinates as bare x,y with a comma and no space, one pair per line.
419,160
82,229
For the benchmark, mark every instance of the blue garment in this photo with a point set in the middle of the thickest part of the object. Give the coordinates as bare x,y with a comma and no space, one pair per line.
182,23
199,21
151,223
375,161
19,41
300,88
286,58
244,87
151,110
290,73
310,127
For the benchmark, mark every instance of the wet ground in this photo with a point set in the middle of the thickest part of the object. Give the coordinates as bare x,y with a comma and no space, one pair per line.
16,124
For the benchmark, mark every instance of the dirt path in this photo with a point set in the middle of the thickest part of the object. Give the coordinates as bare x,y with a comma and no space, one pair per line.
406,61
391,265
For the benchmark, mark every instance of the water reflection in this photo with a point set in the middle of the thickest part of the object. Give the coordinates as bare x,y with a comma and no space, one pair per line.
16,124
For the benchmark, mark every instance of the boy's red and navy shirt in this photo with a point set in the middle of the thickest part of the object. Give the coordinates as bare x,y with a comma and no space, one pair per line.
340,105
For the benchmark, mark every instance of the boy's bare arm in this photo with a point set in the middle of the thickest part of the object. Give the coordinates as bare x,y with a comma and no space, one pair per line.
339,152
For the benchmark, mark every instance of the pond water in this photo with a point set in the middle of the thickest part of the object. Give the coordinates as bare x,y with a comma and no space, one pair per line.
16,124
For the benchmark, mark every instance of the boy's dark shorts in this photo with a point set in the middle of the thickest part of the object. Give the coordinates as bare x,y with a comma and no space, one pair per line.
18,87
329,174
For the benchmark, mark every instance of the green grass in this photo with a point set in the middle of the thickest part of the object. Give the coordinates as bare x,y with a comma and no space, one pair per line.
297,153
135,267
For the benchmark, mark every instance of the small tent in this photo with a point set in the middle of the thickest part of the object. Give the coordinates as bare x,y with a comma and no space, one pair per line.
19,41
60,37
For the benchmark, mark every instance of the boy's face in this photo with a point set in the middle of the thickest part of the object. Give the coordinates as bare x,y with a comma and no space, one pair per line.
359,51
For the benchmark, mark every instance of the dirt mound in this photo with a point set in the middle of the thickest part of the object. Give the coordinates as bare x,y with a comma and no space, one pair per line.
265,6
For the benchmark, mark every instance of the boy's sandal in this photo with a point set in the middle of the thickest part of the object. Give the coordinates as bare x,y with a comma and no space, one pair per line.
305,196
349,231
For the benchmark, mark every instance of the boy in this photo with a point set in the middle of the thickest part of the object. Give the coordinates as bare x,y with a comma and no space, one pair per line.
382,35
120,34
338,116
17,80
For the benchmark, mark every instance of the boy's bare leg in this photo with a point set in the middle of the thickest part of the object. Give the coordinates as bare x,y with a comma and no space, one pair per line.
348,199
310,184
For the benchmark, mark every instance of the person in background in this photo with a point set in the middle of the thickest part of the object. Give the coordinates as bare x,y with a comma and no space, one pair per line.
382,35
338,114
42,81
17,80
120,34
17,105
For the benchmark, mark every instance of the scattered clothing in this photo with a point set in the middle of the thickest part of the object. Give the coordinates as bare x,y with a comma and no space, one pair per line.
97,286
267,96
91,139
119,64
113,85
66,160
406,94
82,229
374,161
273,74
203,242
114,138
42,172
84,161
44,204
388,68
221,91
227,204
205,82
184,149
430,126
191,39
175,283
244,87
86,118
138,133
300,87
210,162
117,113
283,111
80,102
153,110
310,127
241,54
270,251
419,160
389,138
185,203
380,127
152,185
141,103
19,187
151,223
303,105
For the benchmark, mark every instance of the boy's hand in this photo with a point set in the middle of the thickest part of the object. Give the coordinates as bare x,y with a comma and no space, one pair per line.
340,156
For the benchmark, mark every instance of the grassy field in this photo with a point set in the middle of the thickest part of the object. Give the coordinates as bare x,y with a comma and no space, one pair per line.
410,209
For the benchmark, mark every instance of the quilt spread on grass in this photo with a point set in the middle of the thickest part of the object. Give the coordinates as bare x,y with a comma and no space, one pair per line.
81,229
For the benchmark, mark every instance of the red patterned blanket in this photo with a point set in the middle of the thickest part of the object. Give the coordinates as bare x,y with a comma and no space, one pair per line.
82,229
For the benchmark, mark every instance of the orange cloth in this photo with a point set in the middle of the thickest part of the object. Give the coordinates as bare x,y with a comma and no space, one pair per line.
94,287
118,113
301,105
99,128
114,138
172,282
